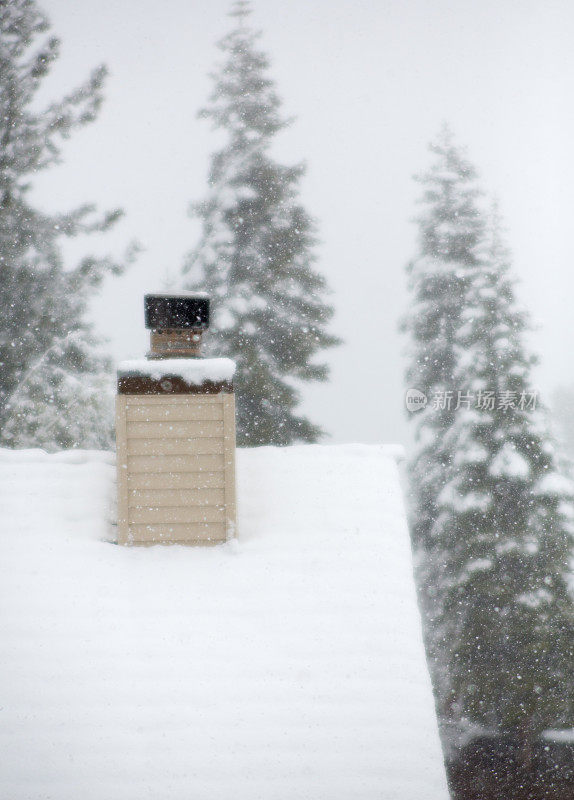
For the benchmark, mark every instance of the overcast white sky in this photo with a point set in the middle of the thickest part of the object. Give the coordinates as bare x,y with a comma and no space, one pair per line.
369,82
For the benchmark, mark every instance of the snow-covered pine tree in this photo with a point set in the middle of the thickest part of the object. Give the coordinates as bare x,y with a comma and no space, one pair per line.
45,341
492,515
451,231
255,255
56,406
507,513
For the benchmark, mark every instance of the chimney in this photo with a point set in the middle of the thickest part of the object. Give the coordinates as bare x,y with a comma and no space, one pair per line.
177,323
175,431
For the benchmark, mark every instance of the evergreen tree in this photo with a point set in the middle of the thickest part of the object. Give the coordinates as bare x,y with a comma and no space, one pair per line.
451,232
256,252
492,514
46,345
57,407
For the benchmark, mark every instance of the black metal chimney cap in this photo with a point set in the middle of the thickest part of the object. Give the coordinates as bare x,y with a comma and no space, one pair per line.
183,311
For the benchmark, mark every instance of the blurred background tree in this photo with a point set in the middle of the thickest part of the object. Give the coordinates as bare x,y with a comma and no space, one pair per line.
46,342
256,254
492,515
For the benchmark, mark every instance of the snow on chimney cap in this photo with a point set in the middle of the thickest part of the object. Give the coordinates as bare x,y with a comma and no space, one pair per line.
184,310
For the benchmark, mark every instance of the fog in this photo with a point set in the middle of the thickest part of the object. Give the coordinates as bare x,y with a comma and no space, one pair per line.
369,84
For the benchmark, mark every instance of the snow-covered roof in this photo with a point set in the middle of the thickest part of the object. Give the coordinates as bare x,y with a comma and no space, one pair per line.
285,664
194,371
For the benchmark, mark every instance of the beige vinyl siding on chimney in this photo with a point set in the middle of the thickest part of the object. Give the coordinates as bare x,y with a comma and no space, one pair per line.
176,468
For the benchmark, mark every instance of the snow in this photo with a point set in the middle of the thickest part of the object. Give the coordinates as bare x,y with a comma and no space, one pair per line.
192,370
285,664
509,463
560,735
479,565
473,453
536,598
554,484
182,293
461,501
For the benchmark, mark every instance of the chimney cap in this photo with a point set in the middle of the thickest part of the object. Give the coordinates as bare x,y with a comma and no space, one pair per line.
183,311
